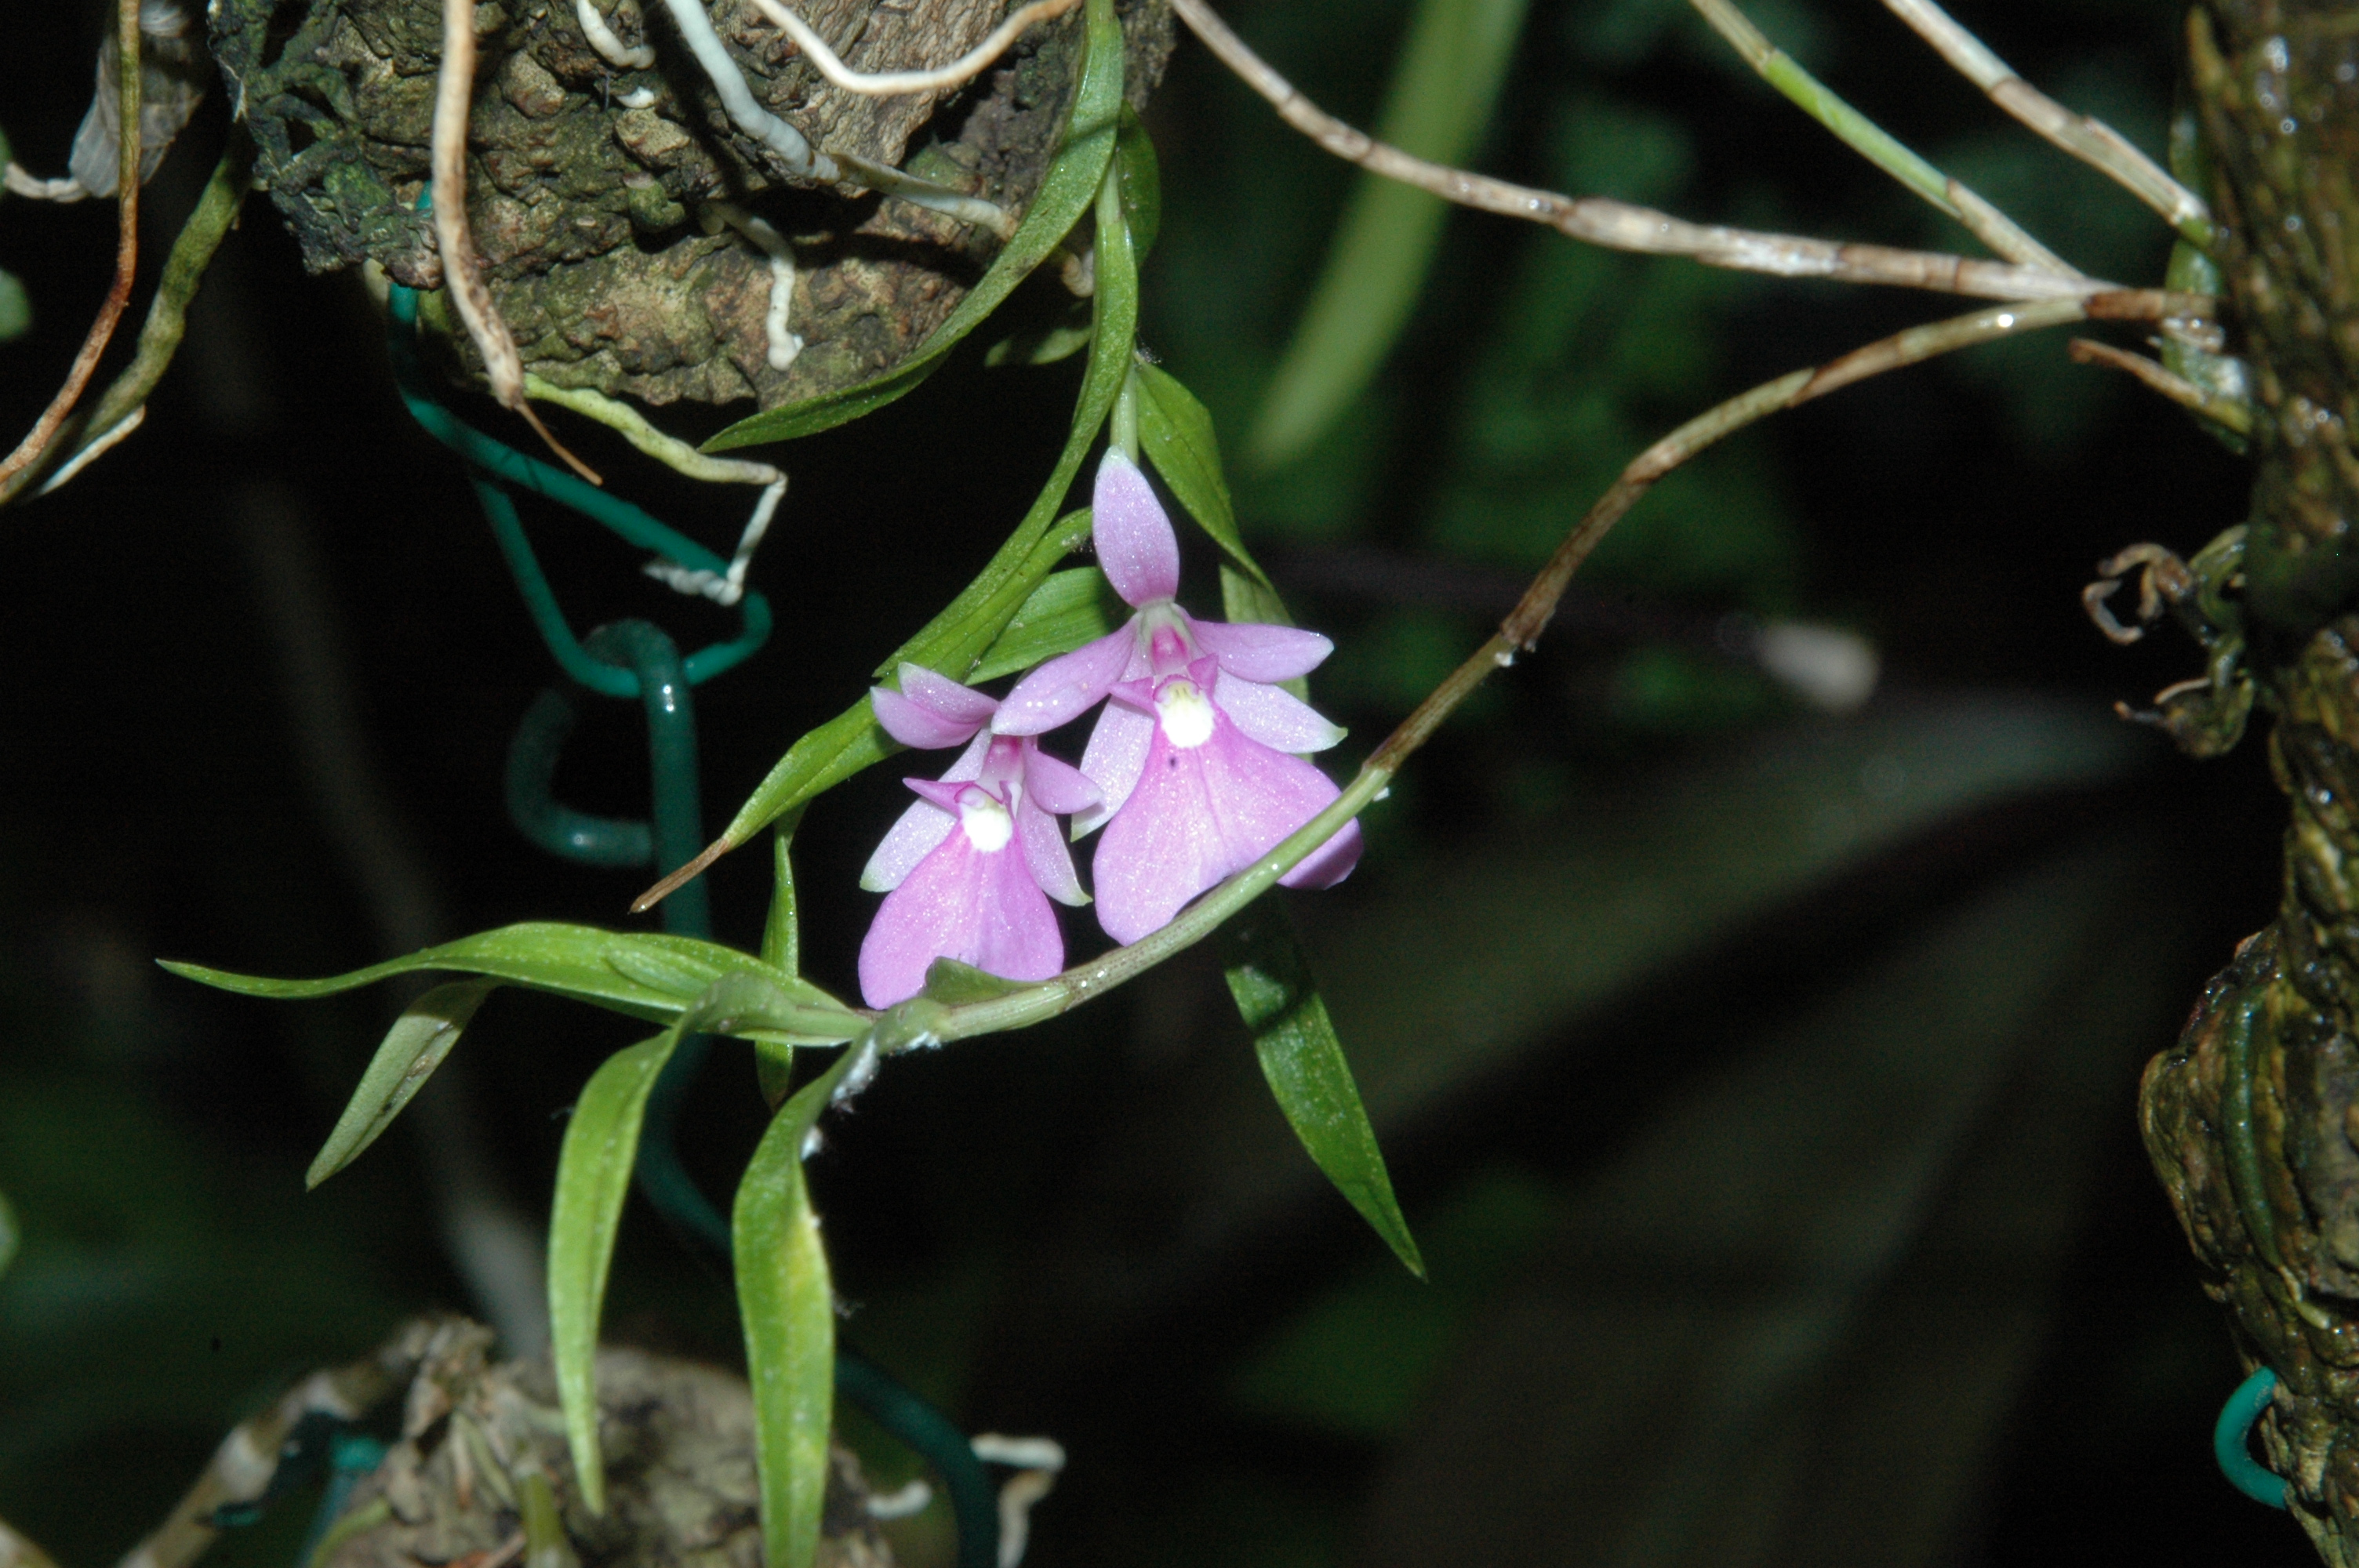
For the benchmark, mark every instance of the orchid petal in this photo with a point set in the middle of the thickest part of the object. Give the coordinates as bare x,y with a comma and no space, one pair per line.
959,902
1117,751
944,793
932,690
1056,785
1051,864
1065,686
915,723
1275,717
921,828
1198,814
1251,651
1136,549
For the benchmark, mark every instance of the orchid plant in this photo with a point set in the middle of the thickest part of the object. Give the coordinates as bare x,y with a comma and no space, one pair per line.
1195,777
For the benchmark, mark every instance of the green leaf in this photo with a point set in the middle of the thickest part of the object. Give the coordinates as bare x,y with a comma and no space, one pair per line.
773,1064
788,1304
413,1048
782,946
1142,181
1061,614
1304,1063
1244,598
9,1234
649,975
1451,71
954,642
1064,195
593,1176
1175,432
15,308
1042,345
949,982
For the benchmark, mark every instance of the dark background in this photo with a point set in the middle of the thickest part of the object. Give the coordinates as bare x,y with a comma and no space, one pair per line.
1760,1083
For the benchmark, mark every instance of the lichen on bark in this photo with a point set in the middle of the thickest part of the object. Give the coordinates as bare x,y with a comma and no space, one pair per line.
590,187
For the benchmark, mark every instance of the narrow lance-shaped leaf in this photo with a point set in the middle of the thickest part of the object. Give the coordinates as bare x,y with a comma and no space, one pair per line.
1142,182
774,1065
593,1176
1061,614
1064,195
413,1048
788,1304
852,739
1304,1063
954,642
1175,433
649,975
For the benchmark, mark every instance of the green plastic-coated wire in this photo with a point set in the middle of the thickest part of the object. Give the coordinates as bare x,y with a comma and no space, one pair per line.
499,466
674,838
2232,1441
634,660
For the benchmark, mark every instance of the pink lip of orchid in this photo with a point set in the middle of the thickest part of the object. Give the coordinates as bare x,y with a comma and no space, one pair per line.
1140,556
1208,800
953,888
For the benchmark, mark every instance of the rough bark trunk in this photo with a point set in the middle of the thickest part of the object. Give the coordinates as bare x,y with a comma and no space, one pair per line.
592,215
2253,1117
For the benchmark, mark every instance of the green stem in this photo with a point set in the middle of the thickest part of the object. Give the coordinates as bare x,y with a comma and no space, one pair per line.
924,1020
1853,129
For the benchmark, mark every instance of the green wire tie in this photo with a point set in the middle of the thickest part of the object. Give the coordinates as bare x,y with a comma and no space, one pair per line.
498,466
633,659
2232,1437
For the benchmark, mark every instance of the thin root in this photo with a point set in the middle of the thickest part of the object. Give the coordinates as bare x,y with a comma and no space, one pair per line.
965,68
2091,141
1620,226
453,89
2159,378
2164,580
35,444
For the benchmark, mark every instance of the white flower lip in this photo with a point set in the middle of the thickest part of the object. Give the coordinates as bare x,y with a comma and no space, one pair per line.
1185,713
985,822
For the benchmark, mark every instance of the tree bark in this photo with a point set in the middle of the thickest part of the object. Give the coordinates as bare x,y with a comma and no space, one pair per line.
2253,1117
592,217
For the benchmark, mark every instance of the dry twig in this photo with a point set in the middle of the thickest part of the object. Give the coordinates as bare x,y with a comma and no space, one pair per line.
2090,140
19,466
1622,227
453,91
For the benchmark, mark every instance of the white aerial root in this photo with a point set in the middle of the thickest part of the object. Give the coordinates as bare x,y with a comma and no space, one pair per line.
611,49
726,587
898,1504
1037,1461
795,150
22,183
99,447
783,345
792,147
453,89
881,84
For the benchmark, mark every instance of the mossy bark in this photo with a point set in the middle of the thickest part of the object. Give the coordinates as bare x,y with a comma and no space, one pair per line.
2253,1117
588,185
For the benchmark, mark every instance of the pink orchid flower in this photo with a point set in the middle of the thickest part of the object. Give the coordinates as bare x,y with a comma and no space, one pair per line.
1197,759
969,869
